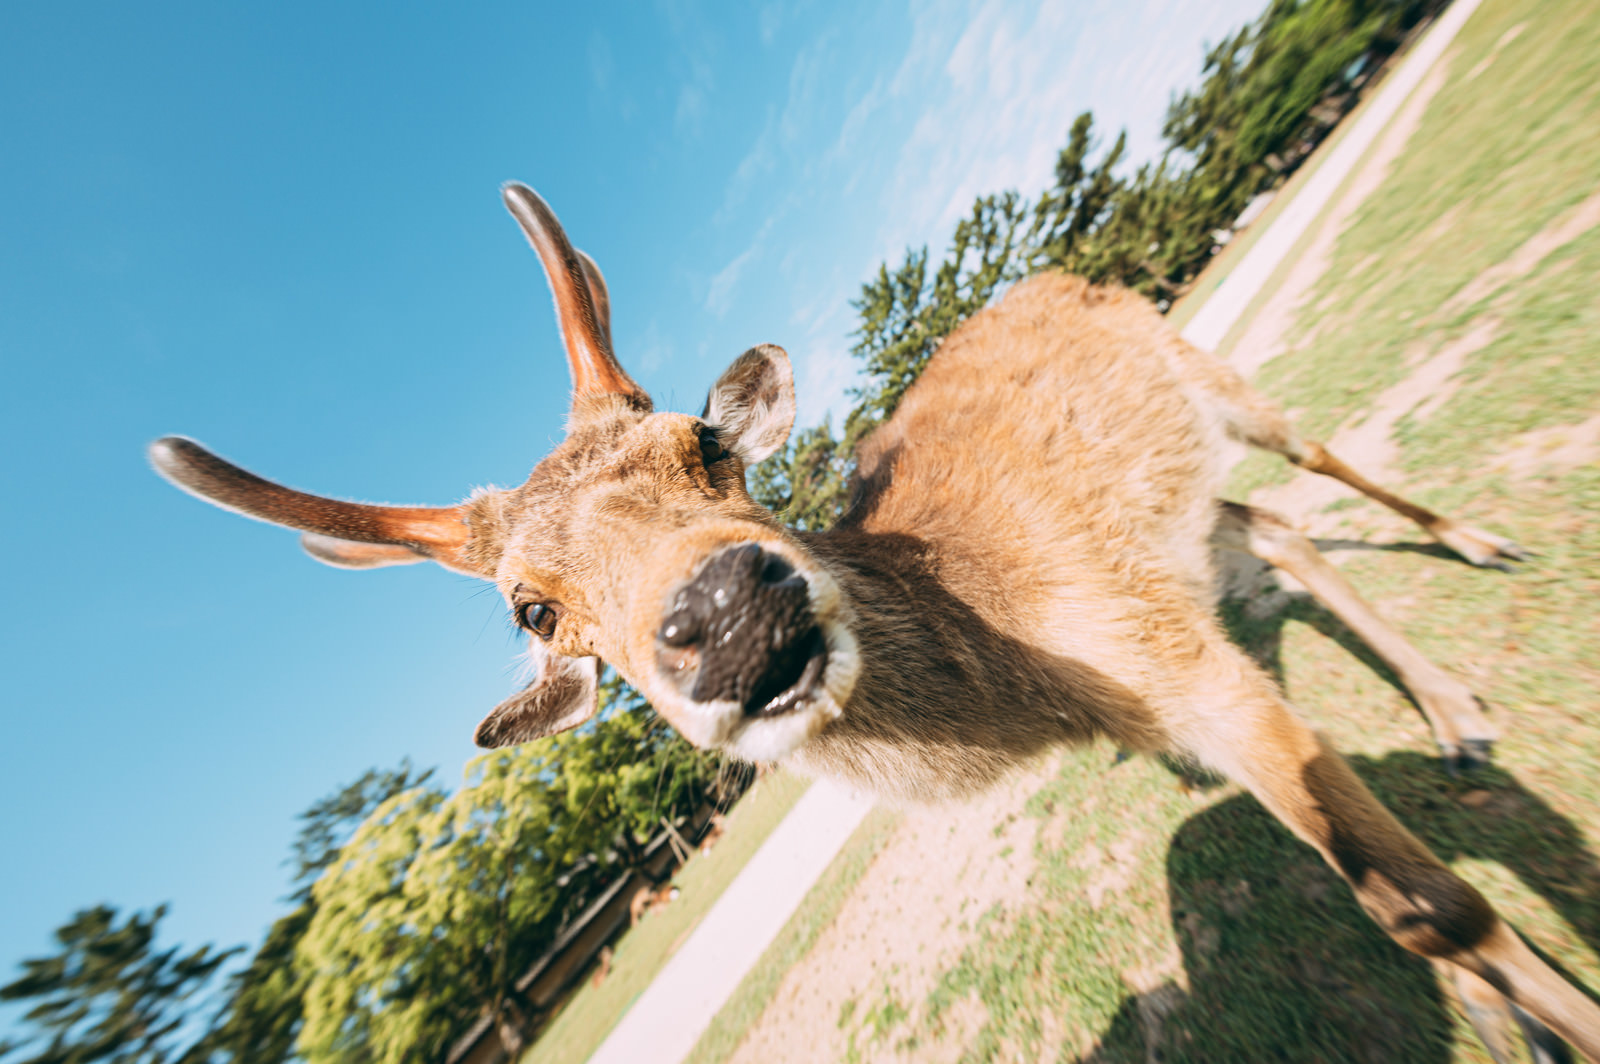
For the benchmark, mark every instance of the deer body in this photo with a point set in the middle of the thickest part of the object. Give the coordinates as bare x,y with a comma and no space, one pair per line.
1026,562
1038,508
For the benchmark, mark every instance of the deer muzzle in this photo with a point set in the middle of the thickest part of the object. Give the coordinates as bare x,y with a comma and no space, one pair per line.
741,631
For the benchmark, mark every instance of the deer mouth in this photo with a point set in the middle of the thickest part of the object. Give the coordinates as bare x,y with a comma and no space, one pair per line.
756,652
791,678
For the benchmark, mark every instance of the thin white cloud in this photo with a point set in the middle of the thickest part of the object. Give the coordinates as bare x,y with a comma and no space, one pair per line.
651,350
769,18
693,96
979,101
719,297
693,46
1010,84
760,161
719,293
785,129
601,63
825,372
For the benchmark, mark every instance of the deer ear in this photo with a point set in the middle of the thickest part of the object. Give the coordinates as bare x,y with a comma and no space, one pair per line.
752,403
564,695
348,554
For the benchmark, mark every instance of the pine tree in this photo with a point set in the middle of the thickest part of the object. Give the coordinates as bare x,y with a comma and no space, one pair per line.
109,995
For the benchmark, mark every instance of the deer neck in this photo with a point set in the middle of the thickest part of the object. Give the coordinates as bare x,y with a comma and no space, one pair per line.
952,693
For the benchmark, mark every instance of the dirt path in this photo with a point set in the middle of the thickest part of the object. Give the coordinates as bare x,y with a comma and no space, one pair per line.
908,919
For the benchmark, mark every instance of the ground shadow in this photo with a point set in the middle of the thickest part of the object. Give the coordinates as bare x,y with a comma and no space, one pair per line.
1280,961
1427,550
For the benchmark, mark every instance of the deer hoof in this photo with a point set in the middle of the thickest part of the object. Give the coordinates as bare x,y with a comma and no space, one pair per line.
1476,753
1468,755
1483,549
1544,1047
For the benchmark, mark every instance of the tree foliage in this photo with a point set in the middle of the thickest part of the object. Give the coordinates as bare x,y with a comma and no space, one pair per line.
109,994
440,901
806,481
264,1006
1262,83
905,314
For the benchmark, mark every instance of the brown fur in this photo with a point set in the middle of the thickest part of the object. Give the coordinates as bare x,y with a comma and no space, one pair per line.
1026,562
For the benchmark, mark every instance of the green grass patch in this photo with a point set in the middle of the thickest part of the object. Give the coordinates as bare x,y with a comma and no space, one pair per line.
592,1012
1543,368
1496,159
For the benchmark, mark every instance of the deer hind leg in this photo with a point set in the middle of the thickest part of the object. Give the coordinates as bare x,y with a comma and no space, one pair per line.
1474,544
1411,894
1464,735
1252,418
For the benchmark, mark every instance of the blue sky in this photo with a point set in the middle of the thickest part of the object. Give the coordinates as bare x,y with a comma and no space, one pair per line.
276,228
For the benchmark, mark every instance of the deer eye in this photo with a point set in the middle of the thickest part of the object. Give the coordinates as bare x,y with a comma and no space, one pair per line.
711,449
538,618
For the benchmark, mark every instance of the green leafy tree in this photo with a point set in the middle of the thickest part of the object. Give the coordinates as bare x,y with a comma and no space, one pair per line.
1072,211
264,1008
109,994
439,901
805,483
1261,85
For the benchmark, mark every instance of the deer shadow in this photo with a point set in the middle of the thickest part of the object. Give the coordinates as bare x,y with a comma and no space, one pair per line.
1426,550
1279,960
1282,964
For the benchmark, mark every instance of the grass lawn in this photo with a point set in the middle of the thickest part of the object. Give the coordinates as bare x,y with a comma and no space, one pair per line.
1225,939
592,1012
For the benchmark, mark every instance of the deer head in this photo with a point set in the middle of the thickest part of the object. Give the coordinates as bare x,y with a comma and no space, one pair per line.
634,542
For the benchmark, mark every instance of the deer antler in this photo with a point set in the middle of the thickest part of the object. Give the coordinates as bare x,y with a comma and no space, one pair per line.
595,369
601,297
436,532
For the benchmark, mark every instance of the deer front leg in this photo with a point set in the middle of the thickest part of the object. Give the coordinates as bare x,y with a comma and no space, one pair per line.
1411,894
1475,545
1464,735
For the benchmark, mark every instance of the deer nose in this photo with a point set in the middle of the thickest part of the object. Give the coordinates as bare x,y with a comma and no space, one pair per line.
741,630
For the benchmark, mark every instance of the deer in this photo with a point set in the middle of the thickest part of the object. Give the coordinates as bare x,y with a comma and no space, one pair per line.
1027,561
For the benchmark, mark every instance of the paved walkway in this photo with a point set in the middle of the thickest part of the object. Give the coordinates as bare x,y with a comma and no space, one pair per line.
669,1017
1227,304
